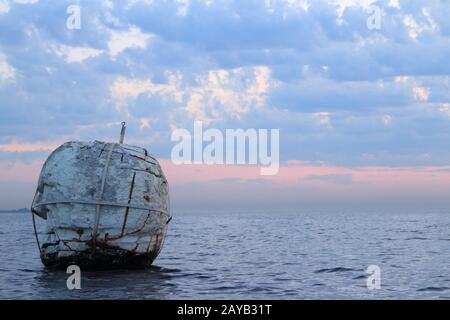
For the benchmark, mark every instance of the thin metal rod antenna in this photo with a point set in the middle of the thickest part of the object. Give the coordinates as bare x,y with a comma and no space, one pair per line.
122,132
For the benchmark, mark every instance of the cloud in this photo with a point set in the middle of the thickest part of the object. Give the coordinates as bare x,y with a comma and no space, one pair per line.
132,38
445,108
7,72
77,54
421,93
28,147
215,94
415,28
387,120
4,7
332,178
310,68
145,123
124,89
322,118
231,92
370,104
26,1
298,185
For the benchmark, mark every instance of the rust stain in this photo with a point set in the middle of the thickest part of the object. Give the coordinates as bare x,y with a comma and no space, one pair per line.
79,231
111,246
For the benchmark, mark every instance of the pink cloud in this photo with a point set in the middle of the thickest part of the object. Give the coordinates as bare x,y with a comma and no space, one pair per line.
28,147
294,172
296,183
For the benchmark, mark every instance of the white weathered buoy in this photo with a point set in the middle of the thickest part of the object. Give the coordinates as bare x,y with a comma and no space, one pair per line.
106,205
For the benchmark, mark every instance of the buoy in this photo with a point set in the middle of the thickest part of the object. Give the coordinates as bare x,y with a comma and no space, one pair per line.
106,206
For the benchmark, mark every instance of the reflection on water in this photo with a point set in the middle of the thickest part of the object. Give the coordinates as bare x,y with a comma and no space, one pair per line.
254,256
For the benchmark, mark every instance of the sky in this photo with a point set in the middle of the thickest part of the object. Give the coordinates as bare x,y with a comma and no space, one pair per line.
363,112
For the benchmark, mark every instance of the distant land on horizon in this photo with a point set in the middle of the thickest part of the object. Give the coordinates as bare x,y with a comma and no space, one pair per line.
21,210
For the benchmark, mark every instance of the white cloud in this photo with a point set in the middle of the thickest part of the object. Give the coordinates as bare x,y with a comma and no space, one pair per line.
215,93
322,118
76,54
394,4
387,120
217,77
415,28
233,91
445,108
122,40
133,2
26,1
7,72
144,123
421,93
302,5
4,6
341,5
125,89
183,7
402,79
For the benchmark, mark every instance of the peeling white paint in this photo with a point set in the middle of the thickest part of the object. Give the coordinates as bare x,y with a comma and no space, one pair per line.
69,188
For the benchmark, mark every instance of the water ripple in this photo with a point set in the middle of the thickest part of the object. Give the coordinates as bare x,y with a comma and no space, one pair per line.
254,256
337,269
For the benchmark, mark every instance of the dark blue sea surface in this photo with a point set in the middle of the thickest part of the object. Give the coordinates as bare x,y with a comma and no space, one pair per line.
255,256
